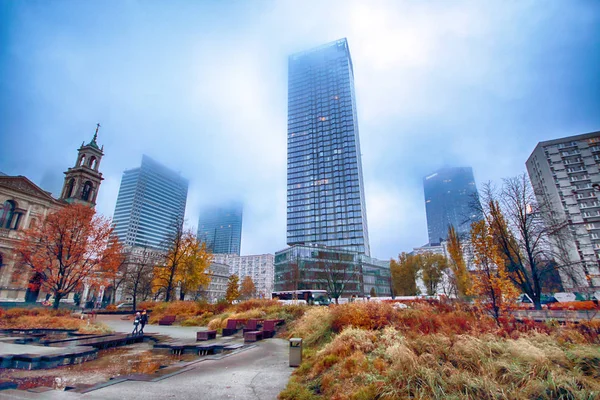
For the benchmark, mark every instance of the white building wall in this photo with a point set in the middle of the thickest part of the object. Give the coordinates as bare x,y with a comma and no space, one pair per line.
261,268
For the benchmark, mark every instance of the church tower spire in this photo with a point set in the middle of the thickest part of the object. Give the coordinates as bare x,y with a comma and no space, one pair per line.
83,180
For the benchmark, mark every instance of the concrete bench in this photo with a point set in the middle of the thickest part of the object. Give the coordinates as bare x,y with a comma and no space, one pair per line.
253,336
167,320
206,335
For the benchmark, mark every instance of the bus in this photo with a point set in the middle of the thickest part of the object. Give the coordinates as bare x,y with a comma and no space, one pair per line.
311,297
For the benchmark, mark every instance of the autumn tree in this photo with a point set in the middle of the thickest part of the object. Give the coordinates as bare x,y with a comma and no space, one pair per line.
247,290
528,235
373,292
70,247
233,292
460,274
405,273
185,265
432,270
140,263
118,278
194,270
492,286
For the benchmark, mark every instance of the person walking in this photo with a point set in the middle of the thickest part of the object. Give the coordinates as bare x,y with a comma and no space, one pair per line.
136,323
143,321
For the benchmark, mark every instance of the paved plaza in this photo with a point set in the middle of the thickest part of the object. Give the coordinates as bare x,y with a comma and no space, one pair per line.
260,372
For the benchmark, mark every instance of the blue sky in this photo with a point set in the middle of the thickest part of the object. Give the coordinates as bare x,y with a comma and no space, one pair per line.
201,87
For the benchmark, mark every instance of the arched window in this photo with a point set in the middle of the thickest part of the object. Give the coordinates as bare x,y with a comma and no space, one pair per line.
70,186
93,162
81,161
7,213
87,191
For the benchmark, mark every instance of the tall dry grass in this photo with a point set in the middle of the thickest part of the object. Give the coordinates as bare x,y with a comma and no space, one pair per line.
376,352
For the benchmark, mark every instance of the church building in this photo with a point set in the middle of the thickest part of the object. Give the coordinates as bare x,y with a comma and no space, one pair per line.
23,204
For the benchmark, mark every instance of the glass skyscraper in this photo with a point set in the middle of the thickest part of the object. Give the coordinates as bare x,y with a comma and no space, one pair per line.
220,227
450,198
150,204
325,192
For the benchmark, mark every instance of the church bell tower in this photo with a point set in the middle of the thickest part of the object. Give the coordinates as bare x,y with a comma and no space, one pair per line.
83,180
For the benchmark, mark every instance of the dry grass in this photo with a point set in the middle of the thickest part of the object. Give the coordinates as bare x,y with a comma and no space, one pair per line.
440,353
44,318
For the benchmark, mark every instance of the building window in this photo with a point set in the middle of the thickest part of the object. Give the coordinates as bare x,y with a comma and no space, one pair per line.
7,214
87,191
70,186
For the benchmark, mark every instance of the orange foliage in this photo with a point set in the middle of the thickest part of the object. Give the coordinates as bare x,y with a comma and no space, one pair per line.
71,246
491,282
369,315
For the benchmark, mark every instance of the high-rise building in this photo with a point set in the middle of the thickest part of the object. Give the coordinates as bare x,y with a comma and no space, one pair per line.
450,199
220,227
565,175
259,267
150,204
325,192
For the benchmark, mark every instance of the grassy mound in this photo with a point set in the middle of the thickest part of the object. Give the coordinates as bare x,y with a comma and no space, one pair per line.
44,318
374,351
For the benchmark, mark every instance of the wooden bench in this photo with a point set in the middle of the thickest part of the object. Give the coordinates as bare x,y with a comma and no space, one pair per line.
253,336
270,327
167,320
206,335
252,325
232,326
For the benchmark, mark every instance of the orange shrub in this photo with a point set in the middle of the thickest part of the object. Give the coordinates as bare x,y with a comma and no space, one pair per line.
369,315
111,307
255,303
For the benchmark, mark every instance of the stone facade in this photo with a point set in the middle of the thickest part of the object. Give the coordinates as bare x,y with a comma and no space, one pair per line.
23,205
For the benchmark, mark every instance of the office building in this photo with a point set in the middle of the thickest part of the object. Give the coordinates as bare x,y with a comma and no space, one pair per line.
565,176
258,267
217,287
450,199
150,204
325,192
220,227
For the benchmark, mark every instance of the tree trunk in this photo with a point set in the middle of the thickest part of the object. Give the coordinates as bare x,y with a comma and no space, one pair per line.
56,301
181,295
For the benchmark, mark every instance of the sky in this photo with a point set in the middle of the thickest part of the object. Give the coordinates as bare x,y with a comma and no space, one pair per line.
201,86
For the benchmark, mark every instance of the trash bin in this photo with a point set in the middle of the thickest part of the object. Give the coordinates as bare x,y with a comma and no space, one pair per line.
295,352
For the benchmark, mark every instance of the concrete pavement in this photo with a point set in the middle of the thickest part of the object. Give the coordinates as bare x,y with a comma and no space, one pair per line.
261,372
126,326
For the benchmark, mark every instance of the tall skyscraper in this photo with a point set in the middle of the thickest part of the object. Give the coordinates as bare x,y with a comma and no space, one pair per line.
565,176
450,194
220,227
325,192
150,204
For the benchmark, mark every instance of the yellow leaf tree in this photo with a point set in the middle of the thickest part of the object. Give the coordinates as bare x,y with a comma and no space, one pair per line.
233,292
185,265
491,284
462,279
432,270
194,268
405,272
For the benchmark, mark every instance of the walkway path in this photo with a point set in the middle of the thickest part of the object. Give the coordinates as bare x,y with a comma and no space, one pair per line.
126,326
261,372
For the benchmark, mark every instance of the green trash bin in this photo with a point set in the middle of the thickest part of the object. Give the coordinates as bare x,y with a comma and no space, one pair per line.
295,352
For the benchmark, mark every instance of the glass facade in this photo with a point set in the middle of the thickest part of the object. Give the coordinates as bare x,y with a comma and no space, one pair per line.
325,192
317,268
150,204
220,227
450,198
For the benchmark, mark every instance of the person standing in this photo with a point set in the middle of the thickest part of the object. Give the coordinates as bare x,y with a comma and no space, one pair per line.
136,323
143,321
